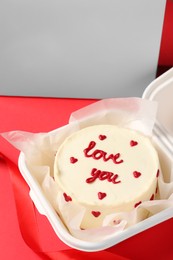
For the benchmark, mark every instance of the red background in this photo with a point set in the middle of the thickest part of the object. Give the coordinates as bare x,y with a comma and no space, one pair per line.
166,48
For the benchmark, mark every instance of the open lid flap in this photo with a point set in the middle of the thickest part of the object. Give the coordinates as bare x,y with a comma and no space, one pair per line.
161,90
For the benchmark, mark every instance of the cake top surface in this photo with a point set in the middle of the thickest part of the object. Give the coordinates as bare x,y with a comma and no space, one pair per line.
106,165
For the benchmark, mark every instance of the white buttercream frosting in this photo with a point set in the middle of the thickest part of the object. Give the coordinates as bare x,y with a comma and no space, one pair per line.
106,169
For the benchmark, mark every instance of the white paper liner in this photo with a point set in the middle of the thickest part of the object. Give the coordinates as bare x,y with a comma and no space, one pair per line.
40,149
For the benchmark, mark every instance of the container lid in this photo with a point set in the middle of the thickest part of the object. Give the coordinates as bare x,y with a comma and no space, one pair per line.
161,90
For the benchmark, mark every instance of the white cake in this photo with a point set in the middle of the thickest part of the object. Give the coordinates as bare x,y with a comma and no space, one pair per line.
106,169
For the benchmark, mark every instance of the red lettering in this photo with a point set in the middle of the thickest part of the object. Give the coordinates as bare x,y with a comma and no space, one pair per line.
114,179
102,175
117,156
91,145
110,175
98,154
95,173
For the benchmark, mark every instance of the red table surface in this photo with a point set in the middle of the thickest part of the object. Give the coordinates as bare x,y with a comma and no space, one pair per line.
18,229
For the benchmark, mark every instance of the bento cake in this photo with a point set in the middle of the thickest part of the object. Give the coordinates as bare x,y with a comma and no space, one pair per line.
106,169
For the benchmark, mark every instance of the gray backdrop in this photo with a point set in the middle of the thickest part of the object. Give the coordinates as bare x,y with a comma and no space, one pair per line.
79,48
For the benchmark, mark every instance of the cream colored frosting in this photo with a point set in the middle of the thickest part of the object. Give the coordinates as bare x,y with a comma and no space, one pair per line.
106,169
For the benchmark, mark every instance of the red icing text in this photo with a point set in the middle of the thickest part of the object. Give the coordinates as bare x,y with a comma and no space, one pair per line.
102,175
98,154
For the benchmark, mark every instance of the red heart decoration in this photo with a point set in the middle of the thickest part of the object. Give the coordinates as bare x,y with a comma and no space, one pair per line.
102,137
96,213
66,197
133,143
136,174
152,197
137,204
101,195
73,159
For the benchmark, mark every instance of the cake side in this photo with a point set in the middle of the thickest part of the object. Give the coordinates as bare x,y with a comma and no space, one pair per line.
106,169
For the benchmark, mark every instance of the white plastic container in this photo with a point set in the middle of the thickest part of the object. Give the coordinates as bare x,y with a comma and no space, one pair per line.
160,90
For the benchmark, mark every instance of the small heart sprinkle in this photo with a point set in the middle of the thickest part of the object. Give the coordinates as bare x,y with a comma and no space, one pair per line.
102,137
101,195
66,197
96,213
156,189
152,197
133,143
73,159
137,204
136,174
